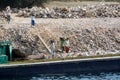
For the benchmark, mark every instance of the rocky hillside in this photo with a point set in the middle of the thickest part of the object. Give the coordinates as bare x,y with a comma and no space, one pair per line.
92,29
88,36
96,10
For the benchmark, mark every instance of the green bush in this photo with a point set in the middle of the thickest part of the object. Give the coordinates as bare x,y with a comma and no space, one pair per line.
21,3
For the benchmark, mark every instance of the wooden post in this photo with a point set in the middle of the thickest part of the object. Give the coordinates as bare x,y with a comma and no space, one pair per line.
44,44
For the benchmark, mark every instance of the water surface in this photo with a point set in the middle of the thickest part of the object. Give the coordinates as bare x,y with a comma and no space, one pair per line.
88,76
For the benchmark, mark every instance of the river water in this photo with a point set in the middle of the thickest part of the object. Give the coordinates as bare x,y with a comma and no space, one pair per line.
88,76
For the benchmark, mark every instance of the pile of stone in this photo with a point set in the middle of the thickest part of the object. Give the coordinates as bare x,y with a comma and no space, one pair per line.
111,10
96,41
91,41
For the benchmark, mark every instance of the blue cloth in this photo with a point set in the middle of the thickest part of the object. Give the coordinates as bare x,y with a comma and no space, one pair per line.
33,22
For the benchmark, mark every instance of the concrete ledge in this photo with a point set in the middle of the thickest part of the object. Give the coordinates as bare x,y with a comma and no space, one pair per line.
105,64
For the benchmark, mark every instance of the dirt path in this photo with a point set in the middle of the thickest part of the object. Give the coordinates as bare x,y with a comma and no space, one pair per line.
62,23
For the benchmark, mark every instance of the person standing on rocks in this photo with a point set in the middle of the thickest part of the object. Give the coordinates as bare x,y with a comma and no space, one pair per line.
67,45
32,20
62,44
8,14
52,47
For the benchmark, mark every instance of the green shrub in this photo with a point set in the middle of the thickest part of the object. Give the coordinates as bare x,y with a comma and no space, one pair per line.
21,3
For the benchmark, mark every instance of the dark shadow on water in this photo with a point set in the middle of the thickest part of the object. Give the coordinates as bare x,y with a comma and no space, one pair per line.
58,76
15,78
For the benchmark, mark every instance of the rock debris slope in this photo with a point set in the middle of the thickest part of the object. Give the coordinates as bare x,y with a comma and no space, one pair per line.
88,36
